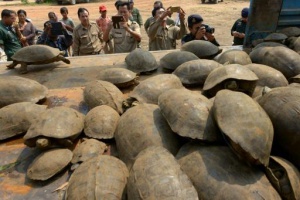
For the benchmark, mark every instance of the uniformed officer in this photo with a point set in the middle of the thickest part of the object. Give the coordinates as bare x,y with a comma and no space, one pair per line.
135,13
162,36
8,37
199,31
239,28
128,35
86,36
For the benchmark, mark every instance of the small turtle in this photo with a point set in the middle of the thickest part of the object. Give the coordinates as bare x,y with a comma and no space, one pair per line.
89,148
246,126
156,174
101,177
101,122
233,77
188,114
36,55
49,163
194,72
285,177
149,90
58,125
97,93
276,37
267,76
15,89
283,59
16,118
290,31
234,56
201,48
217,174
140,127
141,61
120,77
172,60
282,105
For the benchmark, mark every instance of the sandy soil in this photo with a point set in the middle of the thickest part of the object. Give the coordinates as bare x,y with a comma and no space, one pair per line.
221,15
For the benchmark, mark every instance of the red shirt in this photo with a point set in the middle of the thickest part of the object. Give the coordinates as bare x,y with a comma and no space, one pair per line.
103,22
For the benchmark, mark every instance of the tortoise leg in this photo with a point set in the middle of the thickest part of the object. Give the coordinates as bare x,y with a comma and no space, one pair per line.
60,57
12,65
23,68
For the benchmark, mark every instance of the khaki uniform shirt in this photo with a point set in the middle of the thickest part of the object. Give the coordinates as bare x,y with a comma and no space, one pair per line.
86,41
123,41
164,38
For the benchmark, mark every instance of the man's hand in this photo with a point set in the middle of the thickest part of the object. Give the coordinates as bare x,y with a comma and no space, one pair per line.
200,33
209,36
181,14
124,25
166,13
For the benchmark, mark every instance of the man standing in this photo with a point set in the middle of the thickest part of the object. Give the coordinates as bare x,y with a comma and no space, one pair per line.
135,13
102,23
239,28
86,36
162,36
127,36
199,31
8,38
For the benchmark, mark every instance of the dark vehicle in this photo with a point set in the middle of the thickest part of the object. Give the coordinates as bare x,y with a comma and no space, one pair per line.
72,2
212,1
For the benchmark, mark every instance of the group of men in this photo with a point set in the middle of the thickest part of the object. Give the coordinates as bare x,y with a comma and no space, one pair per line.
91,38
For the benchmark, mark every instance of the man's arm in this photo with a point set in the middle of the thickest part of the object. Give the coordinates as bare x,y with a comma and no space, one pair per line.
139,17
107,32
182,31
134,30
147,24
75,43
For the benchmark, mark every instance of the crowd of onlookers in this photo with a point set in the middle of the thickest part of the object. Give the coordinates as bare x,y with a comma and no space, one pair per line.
118,34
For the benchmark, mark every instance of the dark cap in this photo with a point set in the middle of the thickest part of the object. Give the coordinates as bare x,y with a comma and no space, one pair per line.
194,19
245,12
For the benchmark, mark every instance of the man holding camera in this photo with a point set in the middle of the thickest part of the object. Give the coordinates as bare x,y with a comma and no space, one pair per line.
162,36
199,31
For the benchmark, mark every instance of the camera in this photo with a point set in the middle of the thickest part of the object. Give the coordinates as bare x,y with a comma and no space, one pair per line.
209,29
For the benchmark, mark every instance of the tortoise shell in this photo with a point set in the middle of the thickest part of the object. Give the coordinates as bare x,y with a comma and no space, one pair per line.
49,163
249,131
276,37
201,48
234,56
15,89
141,61
290,31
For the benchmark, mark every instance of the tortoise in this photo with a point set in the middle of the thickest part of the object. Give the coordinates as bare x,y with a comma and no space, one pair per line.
282,105
285,177
15,119
49,163
283,59
101,177
194,72
267,76
89,148
217,174
172,60
276,37
234,77
234,56
140,127
120,77
202,49
101,122
188,114
269,44
294,43
256,53
97,93
157,175
15,89
141,61
149,90
245,125
295,79
290,31
56,126
36,55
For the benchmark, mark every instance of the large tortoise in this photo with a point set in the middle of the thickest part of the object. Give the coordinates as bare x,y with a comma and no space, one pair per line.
234,56
36,55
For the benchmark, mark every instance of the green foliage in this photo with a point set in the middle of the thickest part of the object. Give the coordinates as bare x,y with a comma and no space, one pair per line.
25,1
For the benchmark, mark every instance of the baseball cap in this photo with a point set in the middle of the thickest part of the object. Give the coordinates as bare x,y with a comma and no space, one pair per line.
245,12
194,19
102,8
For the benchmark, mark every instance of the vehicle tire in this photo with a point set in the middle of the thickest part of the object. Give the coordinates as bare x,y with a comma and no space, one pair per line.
87,1
215,1
59,2
203,1
73,2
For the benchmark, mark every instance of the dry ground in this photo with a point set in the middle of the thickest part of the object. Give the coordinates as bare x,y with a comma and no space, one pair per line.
221,16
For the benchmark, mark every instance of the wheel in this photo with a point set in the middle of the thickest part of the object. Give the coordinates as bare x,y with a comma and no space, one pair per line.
59,2
87,1
215,1
203,1
73,2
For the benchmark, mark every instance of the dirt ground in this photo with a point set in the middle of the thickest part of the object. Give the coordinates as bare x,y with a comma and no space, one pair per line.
221,15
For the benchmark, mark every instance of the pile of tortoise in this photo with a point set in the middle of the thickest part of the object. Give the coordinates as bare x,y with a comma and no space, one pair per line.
211,127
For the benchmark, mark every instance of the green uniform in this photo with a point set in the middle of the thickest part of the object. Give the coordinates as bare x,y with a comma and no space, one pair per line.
136,16
9,40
